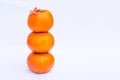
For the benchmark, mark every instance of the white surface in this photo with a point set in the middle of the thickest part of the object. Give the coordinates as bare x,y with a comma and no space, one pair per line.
87,35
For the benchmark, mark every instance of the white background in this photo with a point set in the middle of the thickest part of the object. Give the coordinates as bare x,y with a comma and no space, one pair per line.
87,39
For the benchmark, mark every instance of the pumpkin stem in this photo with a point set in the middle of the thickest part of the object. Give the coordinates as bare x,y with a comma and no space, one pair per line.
35,11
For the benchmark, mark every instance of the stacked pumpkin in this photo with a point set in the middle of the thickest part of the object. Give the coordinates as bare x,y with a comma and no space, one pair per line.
40,41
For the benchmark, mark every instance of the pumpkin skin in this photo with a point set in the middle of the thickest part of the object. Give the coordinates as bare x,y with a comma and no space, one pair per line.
40,62
40,20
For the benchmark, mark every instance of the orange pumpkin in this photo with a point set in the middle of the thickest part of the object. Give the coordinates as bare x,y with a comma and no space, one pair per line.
40,20
40,42
40,62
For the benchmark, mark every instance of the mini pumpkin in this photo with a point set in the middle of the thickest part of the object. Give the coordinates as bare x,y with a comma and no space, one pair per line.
40,42
40,20
40,62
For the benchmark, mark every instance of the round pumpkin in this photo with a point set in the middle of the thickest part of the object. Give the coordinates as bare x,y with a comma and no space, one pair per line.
40,42
40,20
40,62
